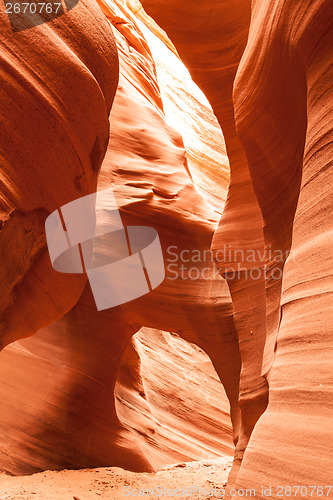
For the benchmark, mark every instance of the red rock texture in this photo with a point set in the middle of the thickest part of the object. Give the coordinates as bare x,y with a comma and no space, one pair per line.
183,414
272,96
187,110
76,424
286,130
266,69
58,82
241,228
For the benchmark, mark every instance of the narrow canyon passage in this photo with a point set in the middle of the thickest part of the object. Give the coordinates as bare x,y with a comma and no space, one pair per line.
211,123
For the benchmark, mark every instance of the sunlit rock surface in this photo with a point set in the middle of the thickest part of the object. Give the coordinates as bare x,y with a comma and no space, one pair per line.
270,74
97,396
187,110
78,415
212,56
169,413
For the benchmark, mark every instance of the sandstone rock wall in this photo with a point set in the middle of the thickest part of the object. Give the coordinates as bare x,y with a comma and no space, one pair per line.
286,130
266,68
56,93
70,419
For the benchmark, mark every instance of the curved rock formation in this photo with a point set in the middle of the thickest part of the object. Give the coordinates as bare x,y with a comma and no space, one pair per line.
280,131
187,110
146,166
58,81
266,69
281,110
285,126
179,413
212,56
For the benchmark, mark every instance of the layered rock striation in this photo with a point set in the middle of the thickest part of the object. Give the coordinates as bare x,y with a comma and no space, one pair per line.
266,69
73,419
58,81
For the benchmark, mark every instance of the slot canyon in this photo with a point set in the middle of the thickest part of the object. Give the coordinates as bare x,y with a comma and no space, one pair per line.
207,373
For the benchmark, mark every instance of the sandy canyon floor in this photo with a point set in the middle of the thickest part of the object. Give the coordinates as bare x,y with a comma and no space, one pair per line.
114,483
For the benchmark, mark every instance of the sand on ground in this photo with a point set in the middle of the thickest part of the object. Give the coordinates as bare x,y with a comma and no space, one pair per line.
204,479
